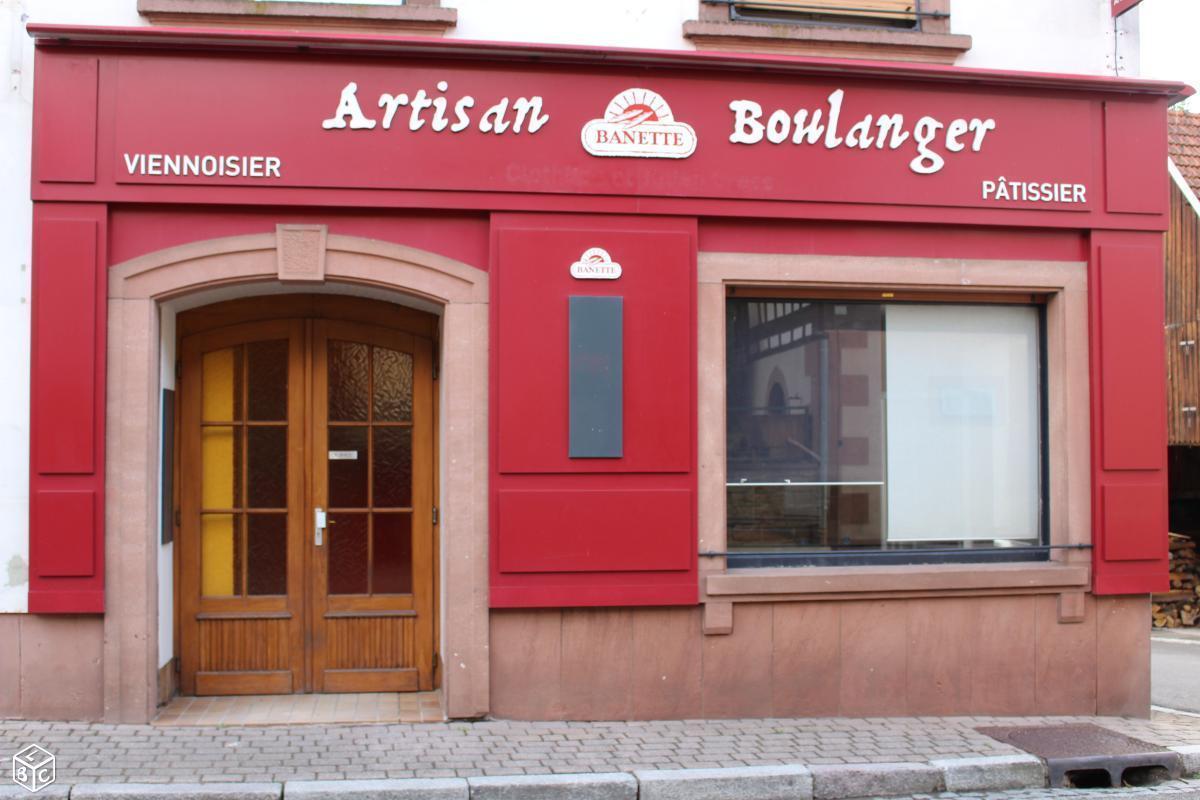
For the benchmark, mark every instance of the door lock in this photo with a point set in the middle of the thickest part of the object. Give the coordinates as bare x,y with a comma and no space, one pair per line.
319,523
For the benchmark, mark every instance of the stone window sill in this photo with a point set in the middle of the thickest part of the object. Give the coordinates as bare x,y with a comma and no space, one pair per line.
826,41
414,17
804,584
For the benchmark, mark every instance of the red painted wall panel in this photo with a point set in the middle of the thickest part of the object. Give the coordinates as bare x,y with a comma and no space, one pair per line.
1129,426
1134,522
66,520
66,528
531,307
590,531
1133,385
612,531
1135,136
873,239
64,349
65,107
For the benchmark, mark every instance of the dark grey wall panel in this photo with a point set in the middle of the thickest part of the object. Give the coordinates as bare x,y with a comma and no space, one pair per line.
596,367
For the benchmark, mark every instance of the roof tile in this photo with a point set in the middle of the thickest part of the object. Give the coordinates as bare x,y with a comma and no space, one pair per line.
1183,142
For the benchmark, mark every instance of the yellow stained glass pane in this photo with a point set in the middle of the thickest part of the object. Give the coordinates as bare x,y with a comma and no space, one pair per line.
220,453
218,555
220,385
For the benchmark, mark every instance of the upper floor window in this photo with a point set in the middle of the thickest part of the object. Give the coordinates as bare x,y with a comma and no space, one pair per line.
900,14
905,30
363,16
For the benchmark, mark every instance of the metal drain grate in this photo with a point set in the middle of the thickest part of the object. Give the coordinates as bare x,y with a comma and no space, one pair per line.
1088,756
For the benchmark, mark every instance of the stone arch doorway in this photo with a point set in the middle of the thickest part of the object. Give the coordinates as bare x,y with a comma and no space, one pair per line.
305,541
294,256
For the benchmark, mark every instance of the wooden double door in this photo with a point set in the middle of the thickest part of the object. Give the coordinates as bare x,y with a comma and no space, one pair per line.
306,549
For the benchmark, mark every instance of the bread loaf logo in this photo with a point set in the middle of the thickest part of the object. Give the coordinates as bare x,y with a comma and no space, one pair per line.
595,265
638,123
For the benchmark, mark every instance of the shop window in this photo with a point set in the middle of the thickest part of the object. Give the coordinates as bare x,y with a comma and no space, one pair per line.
378,16
906,30
896,432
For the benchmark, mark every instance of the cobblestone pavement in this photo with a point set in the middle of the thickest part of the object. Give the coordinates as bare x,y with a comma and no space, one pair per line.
101,753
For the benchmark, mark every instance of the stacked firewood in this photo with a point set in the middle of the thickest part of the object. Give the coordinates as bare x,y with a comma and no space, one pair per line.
1180,607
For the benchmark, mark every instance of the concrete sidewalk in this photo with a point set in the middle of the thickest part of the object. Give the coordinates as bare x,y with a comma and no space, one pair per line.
829,758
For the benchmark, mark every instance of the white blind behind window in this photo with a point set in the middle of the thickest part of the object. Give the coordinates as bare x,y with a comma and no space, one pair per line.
962,423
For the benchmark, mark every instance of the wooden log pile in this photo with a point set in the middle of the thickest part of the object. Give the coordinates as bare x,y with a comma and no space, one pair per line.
1180,607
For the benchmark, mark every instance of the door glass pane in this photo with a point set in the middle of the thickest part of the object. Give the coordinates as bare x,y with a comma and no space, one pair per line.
267,380
393,385
219,559
348,378
266,549
221,454
347,536
391,567
348,467
266,463
393,467
221,385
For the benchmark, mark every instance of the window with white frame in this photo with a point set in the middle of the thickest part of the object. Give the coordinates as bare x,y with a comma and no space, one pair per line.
902,431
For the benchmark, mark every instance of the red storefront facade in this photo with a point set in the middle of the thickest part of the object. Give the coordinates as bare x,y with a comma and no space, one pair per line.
577,237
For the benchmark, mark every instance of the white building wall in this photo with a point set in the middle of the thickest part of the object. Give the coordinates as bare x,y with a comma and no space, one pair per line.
1043,35
1048,36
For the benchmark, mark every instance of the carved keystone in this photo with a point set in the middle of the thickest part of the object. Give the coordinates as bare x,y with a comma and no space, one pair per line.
300,253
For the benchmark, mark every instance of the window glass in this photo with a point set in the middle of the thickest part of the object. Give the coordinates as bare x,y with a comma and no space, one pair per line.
882,13
857,426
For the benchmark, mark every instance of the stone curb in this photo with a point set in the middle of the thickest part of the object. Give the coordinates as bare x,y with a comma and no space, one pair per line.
790,782
53,792
400,789
838,781
735,783
995,773
578,786
176,791
1190,755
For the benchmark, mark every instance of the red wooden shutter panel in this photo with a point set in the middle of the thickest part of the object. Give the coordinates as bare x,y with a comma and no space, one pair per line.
66,481
1129,478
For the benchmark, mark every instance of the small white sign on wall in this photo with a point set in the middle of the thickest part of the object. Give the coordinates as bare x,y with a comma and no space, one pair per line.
595,265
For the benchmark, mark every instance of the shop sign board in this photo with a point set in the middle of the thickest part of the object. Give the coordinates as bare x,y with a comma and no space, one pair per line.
458,126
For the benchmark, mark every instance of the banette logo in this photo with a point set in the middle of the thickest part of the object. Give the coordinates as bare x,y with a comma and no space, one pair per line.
595,265
638,123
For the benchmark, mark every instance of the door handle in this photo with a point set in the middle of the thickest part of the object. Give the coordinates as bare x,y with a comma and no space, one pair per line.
319,523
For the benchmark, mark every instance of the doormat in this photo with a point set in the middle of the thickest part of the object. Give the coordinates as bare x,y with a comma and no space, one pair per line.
1089,756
